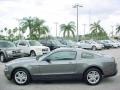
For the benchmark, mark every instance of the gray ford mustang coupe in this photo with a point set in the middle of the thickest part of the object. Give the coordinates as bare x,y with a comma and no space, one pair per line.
62,63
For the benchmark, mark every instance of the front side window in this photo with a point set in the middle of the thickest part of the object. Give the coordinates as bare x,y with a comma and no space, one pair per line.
87,55
63,55
22,43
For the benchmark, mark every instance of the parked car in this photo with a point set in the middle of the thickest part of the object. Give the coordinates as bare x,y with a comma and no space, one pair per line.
106,45
114,45
8,51
62,63
69,43
52,43
117,42
32,47
89,44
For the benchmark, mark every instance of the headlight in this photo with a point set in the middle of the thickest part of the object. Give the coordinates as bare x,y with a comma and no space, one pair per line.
6,68
9,52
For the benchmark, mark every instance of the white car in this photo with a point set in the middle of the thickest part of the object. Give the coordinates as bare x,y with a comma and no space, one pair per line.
117,42
88,44
32,47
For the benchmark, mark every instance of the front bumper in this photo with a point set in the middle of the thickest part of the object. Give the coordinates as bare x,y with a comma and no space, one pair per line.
7,74
14,56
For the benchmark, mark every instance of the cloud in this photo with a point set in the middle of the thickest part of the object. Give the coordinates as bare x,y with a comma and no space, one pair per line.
60,11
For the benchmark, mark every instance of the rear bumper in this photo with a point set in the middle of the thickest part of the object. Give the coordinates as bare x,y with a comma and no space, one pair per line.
113,74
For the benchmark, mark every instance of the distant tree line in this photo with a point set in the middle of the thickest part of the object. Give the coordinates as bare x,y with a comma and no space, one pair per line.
37,29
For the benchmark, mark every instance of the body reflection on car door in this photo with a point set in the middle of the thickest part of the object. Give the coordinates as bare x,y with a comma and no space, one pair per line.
61,64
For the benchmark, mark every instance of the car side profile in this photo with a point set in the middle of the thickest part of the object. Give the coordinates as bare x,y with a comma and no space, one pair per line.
32,47
89,44
62,63
52,43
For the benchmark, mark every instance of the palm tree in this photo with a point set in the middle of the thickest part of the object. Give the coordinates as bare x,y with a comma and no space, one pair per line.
117,29
27,22
97,30
40,28
67,29
5,29
15,30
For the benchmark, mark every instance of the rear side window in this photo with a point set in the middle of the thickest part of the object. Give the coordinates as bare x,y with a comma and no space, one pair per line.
87,55
22,43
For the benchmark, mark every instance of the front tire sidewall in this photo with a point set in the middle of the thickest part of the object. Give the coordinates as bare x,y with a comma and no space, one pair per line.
89,70
26,72
32,53
2,57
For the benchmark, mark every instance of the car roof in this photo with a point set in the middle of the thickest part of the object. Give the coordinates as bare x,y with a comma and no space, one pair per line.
69,49
5,41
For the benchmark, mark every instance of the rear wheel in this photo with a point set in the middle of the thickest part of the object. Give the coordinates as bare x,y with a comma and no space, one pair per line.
32,53
2,57
93,76
21,77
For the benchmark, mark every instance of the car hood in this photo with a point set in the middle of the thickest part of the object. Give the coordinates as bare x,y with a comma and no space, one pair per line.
11,48
42,47
22,60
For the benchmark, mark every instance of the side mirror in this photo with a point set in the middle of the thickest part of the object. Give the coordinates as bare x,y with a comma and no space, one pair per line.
48,60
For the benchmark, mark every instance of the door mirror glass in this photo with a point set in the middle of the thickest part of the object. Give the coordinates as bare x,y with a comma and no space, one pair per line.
48,60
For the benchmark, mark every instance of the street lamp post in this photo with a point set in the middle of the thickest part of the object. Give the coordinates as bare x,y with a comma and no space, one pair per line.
77,7
84,29
56,27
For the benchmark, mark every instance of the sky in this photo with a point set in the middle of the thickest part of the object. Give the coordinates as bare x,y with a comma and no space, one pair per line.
61,11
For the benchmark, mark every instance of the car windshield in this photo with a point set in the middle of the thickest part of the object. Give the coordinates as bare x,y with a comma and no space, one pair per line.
5,44
35,43
70,42
56,42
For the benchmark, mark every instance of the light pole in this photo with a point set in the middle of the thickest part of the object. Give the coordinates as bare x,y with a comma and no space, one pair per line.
56,24
84,29
77,7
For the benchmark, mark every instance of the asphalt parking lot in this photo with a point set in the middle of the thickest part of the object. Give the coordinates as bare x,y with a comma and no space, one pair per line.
112,83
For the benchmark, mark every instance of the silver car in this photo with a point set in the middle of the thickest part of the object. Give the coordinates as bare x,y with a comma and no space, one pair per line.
62,63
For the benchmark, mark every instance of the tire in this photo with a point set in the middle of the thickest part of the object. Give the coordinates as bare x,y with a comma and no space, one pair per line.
94,48
32,53
2,57
24,79
89,77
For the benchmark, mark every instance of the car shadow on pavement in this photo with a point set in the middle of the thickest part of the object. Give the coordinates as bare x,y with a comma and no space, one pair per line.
58,82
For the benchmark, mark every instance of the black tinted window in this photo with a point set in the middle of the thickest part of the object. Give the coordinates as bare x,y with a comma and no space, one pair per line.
22,43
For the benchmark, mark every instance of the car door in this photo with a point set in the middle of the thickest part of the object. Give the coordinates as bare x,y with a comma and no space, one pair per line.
23,45
84,44
61,63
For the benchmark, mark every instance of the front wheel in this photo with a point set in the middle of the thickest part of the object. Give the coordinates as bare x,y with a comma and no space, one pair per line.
2,57
93,76
32,53
21,77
